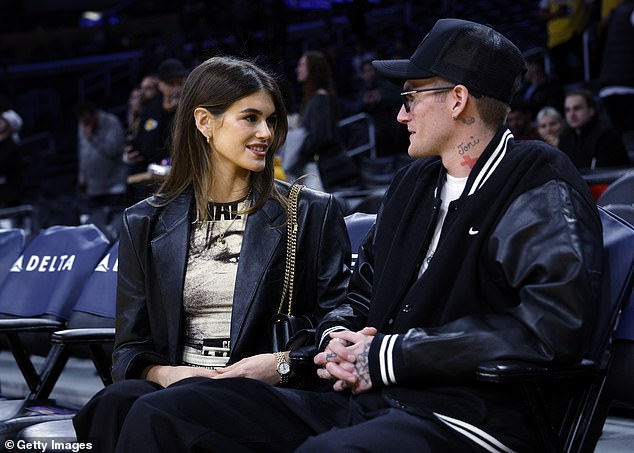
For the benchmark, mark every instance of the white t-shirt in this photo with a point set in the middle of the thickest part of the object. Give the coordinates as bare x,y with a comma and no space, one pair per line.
451,190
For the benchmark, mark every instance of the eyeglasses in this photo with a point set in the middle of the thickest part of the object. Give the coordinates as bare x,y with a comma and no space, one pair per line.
405,96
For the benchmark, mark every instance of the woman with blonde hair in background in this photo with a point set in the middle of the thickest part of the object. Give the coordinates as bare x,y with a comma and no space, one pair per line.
550,125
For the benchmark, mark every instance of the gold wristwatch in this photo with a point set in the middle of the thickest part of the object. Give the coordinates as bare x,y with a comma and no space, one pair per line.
283,368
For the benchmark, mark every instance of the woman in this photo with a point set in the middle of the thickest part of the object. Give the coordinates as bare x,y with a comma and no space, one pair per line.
201,264
550,125
319,114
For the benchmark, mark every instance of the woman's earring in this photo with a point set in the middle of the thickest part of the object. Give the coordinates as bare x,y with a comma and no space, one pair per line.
208,140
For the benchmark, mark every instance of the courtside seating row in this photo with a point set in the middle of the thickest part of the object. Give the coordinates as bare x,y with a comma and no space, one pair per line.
69,274
578,432
65,277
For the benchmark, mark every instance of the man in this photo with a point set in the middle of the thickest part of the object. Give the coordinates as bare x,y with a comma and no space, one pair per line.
149,87
518,121
150,145
565,22
151,142
540,89
102,172
588,140
485,249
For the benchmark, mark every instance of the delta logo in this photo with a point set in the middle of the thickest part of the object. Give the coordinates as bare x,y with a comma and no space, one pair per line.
44,263
102,266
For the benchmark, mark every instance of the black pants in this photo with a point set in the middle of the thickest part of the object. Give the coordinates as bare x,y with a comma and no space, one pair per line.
242,415
100,420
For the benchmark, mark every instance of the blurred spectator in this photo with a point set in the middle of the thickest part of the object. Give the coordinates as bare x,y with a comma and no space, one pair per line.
319,114
15,122
565,22
151,142
589,140
10,164
102,172
607,6
381,100
149,88
519,121
540,89
550,125
139,97
616,78
133,112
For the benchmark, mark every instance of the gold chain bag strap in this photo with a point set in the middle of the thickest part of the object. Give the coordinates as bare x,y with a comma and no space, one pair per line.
286,326
291,247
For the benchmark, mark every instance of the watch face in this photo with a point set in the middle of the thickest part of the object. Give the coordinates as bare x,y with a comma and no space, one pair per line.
284,368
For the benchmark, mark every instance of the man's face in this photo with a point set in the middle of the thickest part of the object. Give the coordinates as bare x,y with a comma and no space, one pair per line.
428,121
171,89
149,88
577,111
517,121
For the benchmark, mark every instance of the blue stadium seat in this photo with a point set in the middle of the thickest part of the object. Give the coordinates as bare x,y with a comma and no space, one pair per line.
358,224
91,326
37,298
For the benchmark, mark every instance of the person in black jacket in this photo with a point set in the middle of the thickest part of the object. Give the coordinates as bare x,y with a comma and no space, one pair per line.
590,141
319,111
484,249
201,263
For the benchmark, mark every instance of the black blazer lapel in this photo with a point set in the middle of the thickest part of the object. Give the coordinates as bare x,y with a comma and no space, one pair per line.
169,251
262,236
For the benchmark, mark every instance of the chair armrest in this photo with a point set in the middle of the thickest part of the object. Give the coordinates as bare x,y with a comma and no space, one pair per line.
515,371
18,325
83,336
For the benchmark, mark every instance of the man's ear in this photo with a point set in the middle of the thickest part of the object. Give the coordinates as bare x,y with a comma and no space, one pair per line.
460,98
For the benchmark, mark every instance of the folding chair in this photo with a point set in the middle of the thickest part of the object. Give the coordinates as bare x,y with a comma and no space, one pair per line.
358,224
620,191
624,211
37,297
91,326
11,244
579,428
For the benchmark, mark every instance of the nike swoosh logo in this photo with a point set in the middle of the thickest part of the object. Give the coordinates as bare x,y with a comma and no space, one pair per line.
473,232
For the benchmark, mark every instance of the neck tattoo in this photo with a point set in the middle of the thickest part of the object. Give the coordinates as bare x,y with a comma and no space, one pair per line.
466,147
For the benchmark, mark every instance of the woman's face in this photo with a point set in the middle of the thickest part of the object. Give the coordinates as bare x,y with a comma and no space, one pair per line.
242,135
549,126
302,69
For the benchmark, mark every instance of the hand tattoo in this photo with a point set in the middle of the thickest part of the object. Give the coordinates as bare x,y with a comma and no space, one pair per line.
361,365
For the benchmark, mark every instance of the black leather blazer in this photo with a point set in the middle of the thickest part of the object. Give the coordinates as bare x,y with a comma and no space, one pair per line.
152,261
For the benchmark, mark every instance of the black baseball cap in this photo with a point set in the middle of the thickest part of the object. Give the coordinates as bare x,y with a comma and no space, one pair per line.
171,68
463,52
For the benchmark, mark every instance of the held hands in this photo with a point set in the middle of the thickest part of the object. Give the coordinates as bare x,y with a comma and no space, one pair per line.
345,360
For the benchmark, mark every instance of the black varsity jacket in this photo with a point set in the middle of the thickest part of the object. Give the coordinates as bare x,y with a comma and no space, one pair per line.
516,275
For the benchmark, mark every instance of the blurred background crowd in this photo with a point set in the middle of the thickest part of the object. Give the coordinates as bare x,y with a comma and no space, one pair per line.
81,79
